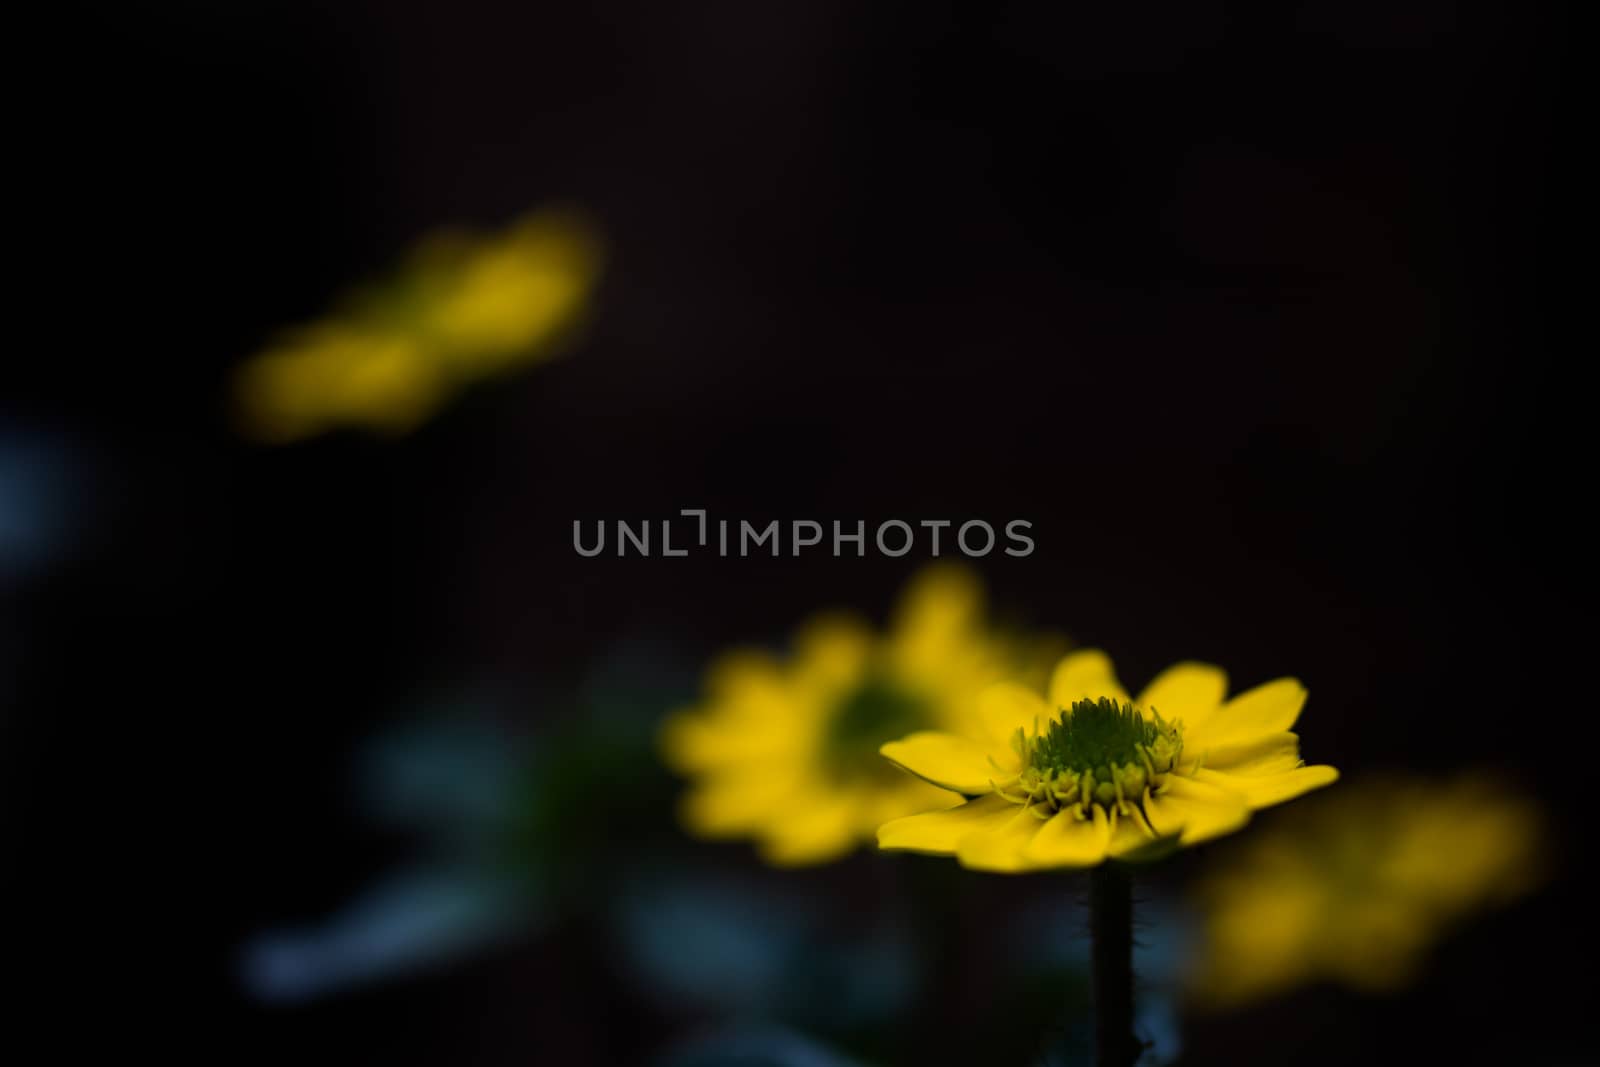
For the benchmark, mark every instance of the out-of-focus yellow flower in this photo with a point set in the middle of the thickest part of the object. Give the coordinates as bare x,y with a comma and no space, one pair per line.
1356,887
1094,775
463,308
786,751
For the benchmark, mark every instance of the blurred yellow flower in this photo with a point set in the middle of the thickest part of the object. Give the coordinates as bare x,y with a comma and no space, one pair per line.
786,751
1356,887
463,308
1094,775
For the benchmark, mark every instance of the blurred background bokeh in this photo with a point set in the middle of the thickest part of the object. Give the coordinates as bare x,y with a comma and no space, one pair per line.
328,742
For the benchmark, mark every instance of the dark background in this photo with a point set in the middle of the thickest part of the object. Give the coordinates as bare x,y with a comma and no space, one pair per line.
1247,307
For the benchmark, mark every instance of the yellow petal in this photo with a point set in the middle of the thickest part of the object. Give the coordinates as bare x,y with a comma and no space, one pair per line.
1189,691
935,620
1196,811
745,679
941,832
338,372
940,647
1085,675
684,739
694,741
943,759
908,796
1264,754
831,653
1002,849
1133,839
1068,841
812,833
730,805
1006,708
1265,790
1266,709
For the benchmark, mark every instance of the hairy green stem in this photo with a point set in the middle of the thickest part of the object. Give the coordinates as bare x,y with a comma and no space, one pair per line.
1111,932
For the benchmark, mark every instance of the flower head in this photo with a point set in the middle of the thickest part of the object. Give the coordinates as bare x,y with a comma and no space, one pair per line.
1094,774
786,750
464,307
1356,886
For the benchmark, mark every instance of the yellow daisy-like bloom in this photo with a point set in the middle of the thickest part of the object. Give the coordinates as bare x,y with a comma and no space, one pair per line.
786,751
464,307
1355,887
1094,775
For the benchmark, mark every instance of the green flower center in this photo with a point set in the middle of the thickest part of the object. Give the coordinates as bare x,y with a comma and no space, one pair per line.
1095,752
875,712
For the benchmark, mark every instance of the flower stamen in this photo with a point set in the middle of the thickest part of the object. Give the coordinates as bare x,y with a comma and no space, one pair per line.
1095,753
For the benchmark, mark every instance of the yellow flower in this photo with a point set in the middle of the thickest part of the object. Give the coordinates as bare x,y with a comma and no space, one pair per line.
1093,775
786,751
462,309
1356,887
